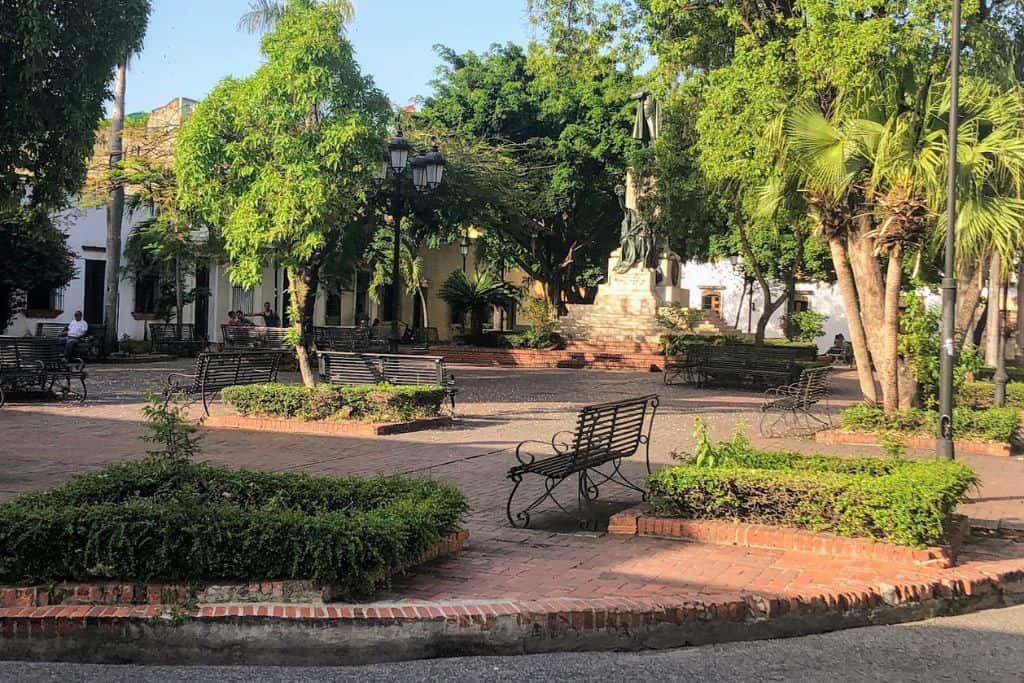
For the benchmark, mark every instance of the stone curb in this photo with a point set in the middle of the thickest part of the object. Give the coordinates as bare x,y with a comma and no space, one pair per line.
324,428
637,521
838,436
278,634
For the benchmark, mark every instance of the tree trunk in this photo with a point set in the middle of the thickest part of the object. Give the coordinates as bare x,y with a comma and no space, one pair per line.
995,279
303,298
423,306
891,332
115,214
968,297
867,275
1020,306
179,296
769,310
851,304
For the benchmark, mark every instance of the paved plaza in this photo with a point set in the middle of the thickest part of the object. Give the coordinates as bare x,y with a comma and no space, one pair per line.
45,443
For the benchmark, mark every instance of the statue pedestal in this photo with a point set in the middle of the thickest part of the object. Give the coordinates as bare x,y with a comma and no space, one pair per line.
625,307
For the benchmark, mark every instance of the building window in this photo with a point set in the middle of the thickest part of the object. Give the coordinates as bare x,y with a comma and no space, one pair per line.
45,299
242,300
801,305
147,289
332,309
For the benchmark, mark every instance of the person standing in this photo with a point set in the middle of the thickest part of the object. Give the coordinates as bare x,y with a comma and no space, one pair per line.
269,316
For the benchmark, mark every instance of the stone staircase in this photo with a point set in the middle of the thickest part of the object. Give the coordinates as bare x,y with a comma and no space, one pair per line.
607,328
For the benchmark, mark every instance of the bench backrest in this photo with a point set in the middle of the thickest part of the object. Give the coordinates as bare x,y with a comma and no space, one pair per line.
236,334
50,329
27,353
426,336
338,367
336,338
161,331
216,370
609,431
814,383
273,337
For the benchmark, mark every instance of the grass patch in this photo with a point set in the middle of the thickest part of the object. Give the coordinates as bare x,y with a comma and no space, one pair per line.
371,403
991,424
894,500
172,520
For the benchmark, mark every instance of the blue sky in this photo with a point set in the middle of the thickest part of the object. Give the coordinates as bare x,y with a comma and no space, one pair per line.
192,44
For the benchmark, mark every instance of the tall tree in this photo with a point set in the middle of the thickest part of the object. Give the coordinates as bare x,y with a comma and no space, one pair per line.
56,63
280,162
115,210
263,15
565,125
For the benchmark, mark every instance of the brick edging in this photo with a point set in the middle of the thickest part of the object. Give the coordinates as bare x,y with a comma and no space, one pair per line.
638,521
323,427
386,631
840,436
131,595
579,359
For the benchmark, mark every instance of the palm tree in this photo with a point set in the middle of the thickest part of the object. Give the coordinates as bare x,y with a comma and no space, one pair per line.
115,211
477,296
410,268
263,14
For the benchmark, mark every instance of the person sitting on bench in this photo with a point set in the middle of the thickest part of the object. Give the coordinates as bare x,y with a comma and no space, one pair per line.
72,335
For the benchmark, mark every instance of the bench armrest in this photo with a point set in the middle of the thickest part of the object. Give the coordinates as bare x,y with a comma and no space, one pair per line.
559,447
174,380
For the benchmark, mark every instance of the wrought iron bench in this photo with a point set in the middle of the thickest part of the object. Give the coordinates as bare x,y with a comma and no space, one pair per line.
339,367
746,366
424,337
842,356
38,363
336,338
604,435
164,337
687,370
255,337
380,334
789,408
91,343
216,370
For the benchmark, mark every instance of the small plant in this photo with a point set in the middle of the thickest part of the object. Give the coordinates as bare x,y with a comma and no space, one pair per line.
543,319
169,427
804,326
704,450
678,318
893,443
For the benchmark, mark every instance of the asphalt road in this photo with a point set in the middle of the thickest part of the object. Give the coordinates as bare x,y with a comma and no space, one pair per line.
986,646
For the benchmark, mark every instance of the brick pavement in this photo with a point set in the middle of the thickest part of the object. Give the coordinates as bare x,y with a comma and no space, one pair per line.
44,444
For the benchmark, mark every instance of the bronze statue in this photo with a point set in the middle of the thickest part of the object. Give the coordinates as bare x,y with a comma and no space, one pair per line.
647,126
636,242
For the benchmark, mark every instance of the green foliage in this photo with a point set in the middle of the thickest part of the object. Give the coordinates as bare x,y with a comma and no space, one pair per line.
920,344
173,520
371,403
543,319
898,501
170,429
993,424
980,395
805,326
33,253
677,318
707,453
477,295
563,124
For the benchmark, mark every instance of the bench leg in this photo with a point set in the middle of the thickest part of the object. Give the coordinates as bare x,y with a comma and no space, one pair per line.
521,519
616,476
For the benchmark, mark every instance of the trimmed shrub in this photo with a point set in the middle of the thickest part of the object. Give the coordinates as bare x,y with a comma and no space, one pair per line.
373,402
982,394
992,424
986,373
900,501
172,520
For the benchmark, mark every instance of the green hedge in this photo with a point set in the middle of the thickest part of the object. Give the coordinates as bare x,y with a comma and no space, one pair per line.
982,394
375,403
171,520
991,424
899,501
986,373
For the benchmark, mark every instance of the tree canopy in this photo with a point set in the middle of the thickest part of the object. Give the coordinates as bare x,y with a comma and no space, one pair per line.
280,162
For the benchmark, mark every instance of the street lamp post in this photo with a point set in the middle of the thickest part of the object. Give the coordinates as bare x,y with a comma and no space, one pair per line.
427,171
464,249
944,443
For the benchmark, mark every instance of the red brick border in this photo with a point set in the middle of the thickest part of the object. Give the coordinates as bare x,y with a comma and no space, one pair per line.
839,436
124,594
637,521
323,427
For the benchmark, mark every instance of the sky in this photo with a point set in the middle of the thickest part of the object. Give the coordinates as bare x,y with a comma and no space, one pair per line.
191,44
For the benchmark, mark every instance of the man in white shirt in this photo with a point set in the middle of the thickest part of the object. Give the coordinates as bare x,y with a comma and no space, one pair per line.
76,329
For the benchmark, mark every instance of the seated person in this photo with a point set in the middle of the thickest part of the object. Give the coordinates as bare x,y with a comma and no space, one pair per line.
838,345
242,320
72,335
269,316
232,320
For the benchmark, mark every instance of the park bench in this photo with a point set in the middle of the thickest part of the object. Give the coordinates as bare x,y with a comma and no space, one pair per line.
38,363
424,337
788,409
380,335
336,338
687,368
92,344
339,367
843,356
164,337
604,435
216,370
736,365
255,337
